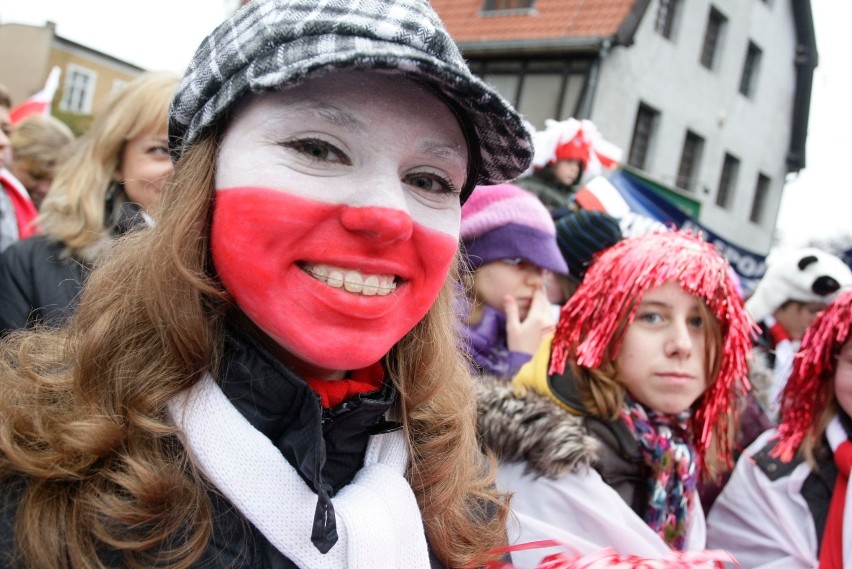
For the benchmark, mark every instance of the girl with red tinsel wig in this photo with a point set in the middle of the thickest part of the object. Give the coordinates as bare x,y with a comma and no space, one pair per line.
604,435
786,504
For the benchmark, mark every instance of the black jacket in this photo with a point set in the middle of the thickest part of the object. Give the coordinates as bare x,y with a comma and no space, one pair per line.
37,285
326,447
40,281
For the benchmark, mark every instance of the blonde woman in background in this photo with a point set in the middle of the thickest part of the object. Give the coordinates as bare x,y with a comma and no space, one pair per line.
110,183
38,145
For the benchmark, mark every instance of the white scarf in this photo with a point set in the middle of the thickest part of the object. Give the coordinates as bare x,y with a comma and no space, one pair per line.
378,520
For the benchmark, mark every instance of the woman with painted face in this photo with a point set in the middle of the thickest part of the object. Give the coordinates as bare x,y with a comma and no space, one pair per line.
110,182
787,503
268,378
603,435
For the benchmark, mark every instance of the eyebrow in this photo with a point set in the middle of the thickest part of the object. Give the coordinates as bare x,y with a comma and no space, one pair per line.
444,151
328,113
341,118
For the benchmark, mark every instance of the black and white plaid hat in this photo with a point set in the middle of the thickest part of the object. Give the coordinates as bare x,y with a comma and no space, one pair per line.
272,44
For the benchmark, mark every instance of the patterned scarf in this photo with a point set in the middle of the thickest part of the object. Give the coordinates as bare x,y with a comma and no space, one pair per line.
665,446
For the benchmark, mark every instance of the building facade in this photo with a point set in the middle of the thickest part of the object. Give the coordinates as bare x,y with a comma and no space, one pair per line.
708,98
89,77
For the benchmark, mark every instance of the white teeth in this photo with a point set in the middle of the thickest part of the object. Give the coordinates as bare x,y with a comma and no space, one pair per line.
335,278
371,286
353,281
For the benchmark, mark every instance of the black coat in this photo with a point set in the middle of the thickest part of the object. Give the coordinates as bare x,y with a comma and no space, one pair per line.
40,282
37,285
281,405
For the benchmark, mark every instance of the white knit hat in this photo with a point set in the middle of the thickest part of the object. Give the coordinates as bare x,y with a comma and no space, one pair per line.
803,275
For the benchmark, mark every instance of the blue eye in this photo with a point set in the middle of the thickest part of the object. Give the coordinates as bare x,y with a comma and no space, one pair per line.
649,317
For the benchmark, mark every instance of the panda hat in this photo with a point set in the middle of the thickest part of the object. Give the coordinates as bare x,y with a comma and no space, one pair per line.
803,275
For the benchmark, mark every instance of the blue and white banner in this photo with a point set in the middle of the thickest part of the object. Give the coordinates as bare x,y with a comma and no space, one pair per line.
644,200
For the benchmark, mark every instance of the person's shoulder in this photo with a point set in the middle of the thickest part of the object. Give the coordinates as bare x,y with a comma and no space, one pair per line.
773,467
37,247
530,427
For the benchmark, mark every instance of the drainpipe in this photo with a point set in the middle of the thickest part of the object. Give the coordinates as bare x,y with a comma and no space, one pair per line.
585,110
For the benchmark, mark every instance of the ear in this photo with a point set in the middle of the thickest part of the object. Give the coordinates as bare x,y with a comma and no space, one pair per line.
805,262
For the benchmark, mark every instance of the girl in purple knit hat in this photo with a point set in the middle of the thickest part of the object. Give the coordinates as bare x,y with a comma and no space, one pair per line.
509,242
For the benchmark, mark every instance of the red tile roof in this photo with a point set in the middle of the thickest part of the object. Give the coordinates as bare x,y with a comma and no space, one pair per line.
548,19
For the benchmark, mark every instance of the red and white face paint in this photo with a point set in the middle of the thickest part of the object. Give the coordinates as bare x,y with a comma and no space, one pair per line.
337,215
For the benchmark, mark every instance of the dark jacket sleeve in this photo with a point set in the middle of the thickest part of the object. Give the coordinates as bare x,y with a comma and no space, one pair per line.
36,284
16,289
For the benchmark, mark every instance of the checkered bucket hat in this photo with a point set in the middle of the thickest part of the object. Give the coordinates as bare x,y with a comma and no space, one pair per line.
272,44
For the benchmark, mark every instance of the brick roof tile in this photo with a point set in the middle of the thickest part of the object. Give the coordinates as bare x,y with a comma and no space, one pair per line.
549,19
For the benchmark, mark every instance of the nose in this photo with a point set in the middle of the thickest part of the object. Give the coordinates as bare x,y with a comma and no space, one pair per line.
383,224
679,343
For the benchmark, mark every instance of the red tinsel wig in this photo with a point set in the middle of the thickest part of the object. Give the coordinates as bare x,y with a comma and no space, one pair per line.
808,390
606,302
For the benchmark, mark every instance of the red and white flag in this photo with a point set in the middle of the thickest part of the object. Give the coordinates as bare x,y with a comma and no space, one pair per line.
38,104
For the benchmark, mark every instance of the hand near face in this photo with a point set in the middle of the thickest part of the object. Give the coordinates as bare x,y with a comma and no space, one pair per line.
525,334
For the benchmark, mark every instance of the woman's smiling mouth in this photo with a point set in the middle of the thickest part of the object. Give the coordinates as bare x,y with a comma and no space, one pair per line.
352,280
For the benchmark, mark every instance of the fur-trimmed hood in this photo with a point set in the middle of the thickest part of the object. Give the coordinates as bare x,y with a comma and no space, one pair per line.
532,428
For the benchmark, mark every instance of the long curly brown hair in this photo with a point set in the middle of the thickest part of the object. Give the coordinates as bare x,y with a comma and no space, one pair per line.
84,436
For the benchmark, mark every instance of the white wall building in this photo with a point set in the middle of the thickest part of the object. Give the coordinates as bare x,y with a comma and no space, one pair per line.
708,98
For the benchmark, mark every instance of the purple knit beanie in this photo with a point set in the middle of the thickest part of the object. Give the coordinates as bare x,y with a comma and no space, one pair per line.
508,222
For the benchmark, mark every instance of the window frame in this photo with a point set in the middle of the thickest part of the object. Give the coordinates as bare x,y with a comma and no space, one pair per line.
713,36
574,74
72,102
639,155
690,160
667,17
728,181
751,69
504,6
762,189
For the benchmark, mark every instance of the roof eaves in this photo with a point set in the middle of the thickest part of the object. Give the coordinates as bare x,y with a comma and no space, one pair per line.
527,46
627,30
112,58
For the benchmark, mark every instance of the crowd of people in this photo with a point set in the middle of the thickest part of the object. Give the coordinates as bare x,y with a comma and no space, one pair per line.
326,301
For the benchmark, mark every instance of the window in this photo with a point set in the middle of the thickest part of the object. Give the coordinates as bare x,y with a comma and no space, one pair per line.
502,5
539,88
690,160
79,90
643,135
727,181
751,66
712,37
761,194
666,16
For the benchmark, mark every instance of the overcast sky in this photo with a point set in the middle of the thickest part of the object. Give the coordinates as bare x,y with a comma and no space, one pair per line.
163,34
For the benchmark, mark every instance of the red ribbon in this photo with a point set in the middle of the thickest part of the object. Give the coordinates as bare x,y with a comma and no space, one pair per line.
831,551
